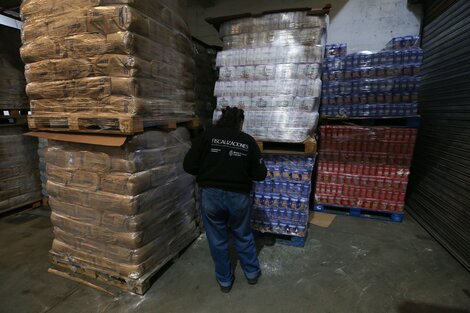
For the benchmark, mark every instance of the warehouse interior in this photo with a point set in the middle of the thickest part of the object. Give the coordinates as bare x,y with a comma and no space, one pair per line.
100,102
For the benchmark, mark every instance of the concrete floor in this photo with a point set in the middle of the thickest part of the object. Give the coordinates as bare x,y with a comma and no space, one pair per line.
356,265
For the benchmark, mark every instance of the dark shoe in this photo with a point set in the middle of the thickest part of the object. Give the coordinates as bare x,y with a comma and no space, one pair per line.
254,281
226,289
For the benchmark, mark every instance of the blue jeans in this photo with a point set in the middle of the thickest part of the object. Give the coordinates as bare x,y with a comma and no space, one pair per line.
224,212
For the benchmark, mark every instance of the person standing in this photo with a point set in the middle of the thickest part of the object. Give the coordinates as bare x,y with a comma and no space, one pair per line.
226,161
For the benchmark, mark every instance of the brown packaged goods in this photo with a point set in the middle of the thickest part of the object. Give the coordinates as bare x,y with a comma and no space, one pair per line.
162,109
19,173
101,264
124,210
168,12
104,20
108,65
102,87
115,221
92,45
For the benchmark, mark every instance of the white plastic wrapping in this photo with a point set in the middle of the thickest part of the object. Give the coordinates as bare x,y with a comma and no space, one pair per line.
271,67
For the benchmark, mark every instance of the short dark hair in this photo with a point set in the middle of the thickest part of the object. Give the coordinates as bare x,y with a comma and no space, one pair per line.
231,118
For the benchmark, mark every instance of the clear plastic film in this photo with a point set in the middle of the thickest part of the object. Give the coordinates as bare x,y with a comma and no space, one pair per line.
281,202
19,173
364,167
122,211
271,68
378,84
93,57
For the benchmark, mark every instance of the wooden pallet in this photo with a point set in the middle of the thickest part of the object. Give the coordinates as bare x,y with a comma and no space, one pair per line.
65,267
13,116
22,207
309,146
390,216
106,124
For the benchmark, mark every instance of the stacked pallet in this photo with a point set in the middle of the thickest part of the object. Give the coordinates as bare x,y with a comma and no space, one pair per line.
106,66
365,84
270,67
364,167
205,78
19,174
122,207
12,81
120,214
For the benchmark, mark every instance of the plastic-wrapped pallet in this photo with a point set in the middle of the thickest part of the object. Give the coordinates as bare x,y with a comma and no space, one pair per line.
19,173
12,81
270,67
42,147
121,211
281,204
366,84
364,167
107,59
206,76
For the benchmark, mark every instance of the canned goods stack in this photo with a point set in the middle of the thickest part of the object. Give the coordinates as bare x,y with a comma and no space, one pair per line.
271,67
364,167
365,84
281,204
205,77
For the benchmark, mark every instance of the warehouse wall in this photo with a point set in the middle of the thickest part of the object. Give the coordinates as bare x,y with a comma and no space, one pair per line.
363,24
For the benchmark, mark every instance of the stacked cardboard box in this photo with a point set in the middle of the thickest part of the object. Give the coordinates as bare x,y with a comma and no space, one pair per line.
121,211
19,174
12,81
106,59
270,67
364,167
42,148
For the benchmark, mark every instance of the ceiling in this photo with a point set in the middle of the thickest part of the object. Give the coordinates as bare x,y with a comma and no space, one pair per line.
10,8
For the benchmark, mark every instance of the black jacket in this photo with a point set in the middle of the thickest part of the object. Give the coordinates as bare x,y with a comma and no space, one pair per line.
227,159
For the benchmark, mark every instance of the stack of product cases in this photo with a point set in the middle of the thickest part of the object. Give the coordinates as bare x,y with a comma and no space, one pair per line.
119,211
19,173
106,59
12,81
205,77
270,67
378,84
364,167
281,202
368,167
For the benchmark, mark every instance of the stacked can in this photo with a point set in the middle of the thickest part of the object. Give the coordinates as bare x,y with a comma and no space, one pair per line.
364,167
382,84
281,202
271,68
